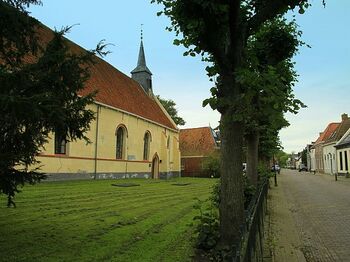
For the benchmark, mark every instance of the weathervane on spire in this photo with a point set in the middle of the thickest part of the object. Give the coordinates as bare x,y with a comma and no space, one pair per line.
141,32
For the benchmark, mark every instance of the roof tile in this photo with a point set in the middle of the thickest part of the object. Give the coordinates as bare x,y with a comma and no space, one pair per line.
340,131
330,129
114,88
197,141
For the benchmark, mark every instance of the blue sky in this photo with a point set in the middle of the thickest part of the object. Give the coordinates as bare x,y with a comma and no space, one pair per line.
324,82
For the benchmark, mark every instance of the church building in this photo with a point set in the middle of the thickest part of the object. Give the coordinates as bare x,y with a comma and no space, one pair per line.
132,135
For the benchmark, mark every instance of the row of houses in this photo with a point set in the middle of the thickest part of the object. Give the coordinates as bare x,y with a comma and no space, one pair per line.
293,161
330,153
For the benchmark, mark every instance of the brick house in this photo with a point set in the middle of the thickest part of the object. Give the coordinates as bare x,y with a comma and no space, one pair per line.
330,157
318,146
196,145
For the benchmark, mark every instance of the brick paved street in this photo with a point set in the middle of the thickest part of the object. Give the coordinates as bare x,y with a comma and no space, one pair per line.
320,208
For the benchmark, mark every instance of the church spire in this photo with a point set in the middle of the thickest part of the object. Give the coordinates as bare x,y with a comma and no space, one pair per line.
141,73
141,62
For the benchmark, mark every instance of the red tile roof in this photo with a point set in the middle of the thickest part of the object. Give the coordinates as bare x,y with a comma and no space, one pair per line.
327,132
196,141
116,89
344,141
340,131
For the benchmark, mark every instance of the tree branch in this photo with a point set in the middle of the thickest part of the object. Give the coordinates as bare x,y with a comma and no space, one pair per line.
267,10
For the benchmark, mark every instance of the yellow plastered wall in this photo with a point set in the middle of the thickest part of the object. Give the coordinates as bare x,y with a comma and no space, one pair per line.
80,157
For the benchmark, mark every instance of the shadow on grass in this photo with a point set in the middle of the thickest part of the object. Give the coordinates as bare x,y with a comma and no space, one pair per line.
126,185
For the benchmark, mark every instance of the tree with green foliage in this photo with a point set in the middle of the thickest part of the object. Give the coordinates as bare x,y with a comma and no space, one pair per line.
269,77
282,158
304,156
170,106
269,145
211,164
220,31
39,94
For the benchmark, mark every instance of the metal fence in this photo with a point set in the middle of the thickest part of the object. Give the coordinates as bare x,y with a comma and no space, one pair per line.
250,248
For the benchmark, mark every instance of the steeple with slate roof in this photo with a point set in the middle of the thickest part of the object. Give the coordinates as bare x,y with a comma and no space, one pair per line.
141,73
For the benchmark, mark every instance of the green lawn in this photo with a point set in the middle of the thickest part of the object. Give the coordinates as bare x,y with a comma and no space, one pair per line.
95,221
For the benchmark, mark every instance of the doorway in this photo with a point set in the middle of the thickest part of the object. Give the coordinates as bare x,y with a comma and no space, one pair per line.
155,167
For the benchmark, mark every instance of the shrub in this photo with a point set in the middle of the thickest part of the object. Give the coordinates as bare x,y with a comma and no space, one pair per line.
207,228
249,191
215,194
264,172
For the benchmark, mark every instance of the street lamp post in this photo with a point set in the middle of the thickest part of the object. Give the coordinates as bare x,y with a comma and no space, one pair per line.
274,169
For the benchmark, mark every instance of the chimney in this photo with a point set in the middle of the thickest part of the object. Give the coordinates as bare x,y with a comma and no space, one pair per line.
344,117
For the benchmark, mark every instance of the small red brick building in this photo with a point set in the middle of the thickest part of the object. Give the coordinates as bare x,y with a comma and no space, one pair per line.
196,144
319,145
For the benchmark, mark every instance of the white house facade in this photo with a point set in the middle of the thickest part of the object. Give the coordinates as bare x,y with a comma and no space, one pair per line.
312,159
343,153
329,158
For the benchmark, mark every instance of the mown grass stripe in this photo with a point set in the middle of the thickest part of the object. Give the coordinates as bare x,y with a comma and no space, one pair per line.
163,239
105,194
128,204
92,220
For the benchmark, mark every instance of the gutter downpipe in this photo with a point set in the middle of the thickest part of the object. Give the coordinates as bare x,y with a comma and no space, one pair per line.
335,174
96,139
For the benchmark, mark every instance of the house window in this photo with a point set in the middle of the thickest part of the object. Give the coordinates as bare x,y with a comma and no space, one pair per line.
341,160
60,143
120,144
146,145
168,143
346,160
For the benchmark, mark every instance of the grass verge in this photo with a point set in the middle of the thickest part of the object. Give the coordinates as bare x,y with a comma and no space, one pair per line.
95,221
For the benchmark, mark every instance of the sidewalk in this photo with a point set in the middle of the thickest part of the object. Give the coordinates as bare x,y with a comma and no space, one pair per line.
340,178
282,241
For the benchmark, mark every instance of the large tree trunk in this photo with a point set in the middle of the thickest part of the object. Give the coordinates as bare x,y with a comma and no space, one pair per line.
231,196
252,157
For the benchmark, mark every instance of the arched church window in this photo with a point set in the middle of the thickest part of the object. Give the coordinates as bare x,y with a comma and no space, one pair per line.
168,143
60,143
146,145
120,143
